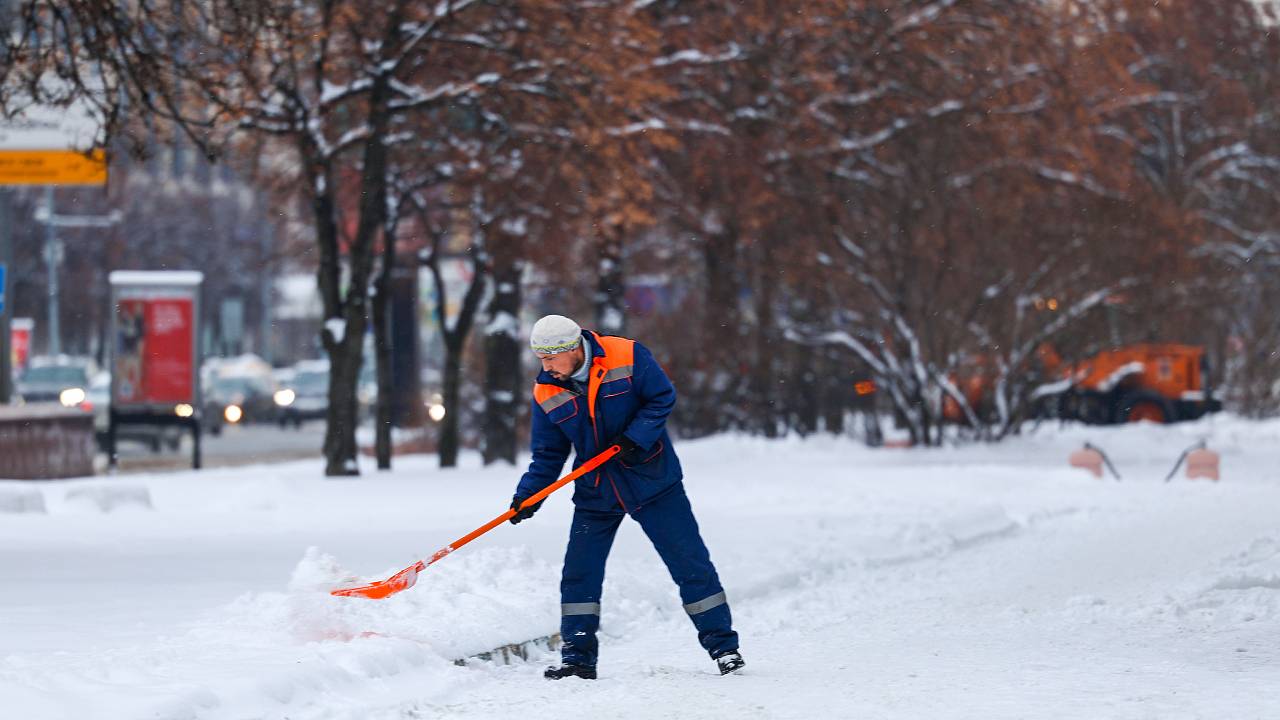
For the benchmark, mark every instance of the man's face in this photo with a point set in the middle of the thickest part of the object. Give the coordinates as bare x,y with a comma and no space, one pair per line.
561,365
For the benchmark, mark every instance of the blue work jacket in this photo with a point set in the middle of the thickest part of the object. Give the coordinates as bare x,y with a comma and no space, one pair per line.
628,393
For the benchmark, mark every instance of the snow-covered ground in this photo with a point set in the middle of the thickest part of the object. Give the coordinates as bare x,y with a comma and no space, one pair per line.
975,582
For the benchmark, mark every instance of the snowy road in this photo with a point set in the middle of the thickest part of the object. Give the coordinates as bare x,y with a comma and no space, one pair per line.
983,582
234,446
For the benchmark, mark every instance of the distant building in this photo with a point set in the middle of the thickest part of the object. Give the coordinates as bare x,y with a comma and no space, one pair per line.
297,314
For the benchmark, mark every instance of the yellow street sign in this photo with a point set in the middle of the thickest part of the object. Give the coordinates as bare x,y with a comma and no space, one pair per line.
52,167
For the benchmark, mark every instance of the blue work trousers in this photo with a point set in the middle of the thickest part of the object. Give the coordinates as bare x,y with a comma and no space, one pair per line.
669,523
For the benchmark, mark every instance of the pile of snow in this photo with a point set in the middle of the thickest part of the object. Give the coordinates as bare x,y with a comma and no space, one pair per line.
16,499
488,588
107,497
1242,588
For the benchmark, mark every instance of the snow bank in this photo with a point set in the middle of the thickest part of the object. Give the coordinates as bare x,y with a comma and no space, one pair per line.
21,500
466,605
1243,588
979,525
107,497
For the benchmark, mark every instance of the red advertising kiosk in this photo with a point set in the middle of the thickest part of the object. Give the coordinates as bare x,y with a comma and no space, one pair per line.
20,343
155,352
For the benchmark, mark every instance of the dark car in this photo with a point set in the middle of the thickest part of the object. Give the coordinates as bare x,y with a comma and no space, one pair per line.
238,399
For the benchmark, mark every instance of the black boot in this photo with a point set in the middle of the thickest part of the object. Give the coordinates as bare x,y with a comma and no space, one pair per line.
730,662
564,671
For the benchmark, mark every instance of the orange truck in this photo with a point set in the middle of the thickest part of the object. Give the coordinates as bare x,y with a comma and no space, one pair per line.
1161,383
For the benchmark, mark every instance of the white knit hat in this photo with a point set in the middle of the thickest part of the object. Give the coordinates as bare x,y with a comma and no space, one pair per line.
555,334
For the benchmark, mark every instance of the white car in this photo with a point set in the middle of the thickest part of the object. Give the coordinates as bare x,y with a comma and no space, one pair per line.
63,379
306,395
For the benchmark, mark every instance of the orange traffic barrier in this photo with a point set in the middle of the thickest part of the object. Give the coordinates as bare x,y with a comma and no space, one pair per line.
1202,463
1092,459
406,578
1087,459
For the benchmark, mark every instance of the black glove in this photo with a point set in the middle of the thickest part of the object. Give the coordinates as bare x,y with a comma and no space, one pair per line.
624,443
526,513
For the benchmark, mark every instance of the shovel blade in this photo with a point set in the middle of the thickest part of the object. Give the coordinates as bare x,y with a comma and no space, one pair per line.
380,589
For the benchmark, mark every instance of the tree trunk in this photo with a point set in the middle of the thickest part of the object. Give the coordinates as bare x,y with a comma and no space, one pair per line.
872,433
502,350
351,308
610,299
382,354
713,400
763,376
455,342
837,390
804,391
344,365
342,417
720,262
451,394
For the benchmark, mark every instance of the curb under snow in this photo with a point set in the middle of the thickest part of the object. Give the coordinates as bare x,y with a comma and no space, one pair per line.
508,654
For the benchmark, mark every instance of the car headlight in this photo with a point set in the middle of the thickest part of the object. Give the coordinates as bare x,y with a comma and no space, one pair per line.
436,412
285,398
233,414
183,410
71,397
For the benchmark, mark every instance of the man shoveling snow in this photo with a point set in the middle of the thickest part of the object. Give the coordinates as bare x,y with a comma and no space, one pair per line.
596,391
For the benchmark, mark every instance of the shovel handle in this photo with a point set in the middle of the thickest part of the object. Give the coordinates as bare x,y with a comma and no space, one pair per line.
534,499
585,468
405,579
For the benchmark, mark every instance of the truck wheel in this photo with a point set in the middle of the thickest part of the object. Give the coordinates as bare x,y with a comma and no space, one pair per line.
1092,409
1136,407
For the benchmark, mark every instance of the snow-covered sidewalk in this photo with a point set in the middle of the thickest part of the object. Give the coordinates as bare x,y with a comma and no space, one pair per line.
980,582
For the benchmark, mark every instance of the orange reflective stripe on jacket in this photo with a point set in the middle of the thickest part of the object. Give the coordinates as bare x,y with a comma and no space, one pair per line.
550,397
616,364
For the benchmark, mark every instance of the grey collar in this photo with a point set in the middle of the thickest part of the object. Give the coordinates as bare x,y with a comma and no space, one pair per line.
584,372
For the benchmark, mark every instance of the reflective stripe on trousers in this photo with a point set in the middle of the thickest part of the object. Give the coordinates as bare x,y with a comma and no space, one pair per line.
579,609
705,604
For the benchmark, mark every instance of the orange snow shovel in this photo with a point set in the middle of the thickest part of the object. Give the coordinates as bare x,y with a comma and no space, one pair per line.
405,579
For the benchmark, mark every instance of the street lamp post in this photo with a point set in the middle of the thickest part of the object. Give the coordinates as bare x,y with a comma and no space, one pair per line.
52,258
6,295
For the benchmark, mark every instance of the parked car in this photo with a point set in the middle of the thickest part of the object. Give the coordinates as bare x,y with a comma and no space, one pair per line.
306,395
236,390
98,401
62,379
234,399
283,377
